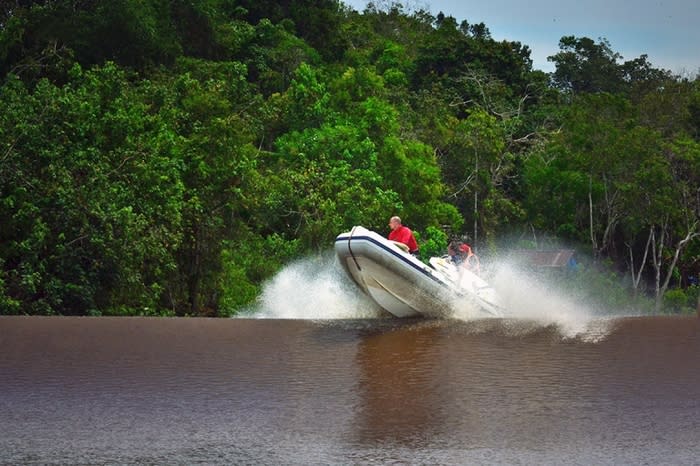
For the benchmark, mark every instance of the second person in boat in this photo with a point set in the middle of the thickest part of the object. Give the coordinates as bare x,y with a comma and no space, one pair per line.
463,256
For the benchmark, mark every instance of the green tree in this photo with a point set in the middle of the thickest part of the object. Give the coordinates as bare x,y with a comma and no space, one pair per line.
217,152
585,66
90,195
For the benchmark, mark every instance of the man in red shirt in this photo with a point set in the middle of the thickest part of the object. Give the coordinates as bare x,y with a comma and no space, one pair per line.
402,234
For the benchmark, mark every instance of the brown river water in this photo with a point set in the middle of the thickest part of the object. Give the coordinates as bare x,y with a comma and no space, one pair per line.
348,391
315,375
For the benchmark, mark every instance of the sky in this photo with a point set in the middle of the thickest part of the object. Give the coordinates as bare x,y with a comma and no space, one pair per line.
668,31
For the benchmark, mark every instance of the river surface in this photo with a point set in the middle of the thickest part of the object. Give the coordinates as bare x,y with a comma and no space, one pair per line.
348,391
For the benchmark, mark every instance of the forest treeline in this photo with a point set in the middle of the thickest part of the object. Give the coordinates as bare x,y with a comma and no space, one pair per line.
170,156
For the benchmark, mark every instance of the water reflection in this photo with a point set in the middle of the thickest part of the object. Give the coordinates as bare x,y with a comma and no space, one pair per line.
398,387
184,391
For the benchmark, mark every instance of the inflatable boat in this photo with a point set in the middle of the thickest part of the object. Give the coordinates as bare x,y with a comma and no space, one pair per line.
403,285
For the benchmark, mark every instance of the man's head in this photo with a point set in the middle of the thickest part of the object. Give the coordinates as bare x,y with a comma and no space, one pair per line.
394,222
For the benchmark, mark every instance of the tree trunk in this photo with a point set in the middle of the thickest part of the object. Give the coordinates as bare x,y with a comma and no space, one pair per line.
612,214
657,252
637,275
661,288
476,200
594,243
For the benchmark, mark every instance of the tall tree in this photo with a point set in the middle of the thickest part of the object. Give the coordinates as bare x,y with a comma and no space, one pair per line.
585,66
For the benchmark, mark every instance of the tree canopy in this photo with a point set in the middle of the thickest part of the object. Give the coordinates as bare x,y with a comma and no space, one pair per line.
169,157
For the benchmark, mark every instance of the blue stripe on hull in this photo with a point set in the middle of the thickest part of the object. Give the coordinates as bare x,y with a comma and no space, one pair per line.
422,269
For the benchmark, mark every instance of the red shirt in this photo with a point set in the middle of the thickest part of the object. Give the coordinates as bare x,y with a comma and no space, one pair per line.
404,235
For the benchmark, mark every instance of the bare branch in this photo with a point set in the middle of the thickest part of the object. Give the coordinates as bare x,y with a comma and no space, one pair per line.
464,185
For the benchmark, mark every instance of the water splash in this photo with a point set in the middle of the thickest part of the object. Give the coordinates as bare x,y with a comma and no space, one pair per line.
531,298
318,289
313,288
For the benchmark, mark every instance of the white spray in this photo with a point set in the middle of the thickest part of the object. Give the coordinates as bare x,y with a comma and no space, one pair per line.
318,289
530,298
314,288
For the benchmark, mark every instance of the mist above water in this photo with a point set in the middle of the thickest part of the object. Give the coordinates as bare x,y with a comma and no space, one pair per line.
318,289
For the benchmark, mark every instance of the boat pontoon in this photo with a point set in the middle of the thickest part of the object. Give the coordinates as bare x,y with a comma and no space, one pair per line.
405,286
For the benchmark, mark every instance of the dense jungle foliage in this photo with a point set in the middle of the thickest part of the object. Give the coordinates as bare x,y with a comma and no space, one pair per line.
169,156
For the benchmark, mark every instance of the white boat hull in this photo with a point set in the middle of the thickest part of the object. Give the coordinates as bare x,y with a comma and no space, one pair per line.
400,283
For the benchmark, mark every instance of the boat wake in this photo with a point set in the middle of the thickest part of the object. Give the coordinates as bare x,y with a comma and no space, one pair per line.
318,289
